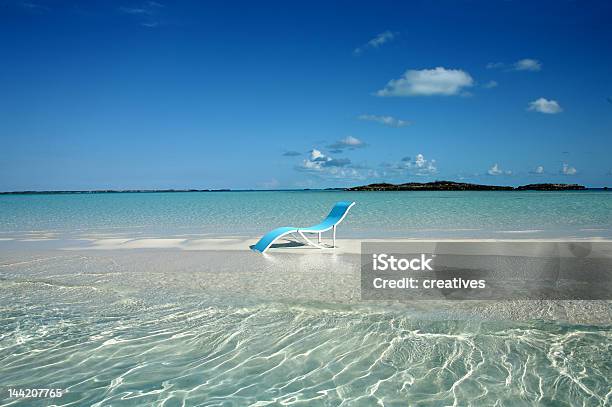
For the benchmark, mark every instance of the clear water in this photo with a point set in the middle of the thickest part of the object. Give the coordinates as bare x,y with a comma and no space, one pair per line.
377,214
113,333
173,328
203,354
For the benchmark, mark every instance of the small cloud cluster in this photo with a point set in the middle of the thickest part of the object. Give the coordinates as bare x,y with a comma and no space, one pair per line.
324,165
376,42
418,165
497,170
568,170
386,120
525,64
543,105
348,142
528,64
490,85
317,161
427,82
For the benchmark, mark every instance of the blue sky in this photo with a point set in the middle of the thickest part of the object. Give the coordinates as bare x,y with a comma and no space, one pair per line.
135,94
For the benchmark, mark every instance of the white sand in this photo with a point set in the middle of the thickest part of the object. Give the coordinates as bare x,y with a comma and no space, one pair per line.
343,246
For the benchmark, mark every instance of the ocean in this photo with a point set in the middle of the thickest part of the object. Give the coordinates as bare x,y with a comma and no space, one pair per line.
566,214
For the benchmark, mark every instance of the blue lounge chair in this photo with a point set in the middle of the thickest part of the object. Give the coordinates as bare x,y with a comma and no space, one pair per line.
337,215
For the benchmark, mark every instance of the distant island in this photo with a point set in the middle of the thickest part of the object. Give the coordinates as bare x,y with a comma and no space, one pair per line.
462,186
551,187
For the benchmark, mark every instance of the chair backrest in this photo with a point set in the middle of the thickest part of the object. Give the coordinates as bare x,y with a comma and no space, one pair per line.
339,211
336,215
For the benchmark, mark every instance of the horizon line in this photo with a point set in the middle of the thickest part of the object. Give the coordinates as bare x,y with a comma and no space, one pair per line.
110,191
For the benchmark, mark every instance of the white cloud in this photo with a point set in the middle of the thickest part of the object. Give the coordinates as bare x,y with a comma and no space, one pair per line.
528,64
417,166
386,120
544,105
437,81
497,170
376,42
525,64
316,155
352,141
538,170
568,170
490,84
494,170
349,142
318,162
324,166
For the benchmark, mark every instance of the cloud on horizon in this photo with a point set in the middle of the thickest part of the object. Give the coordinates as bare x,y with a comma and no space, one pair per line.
566,169
385,120
497,170
417,166
324,166
375,42
428,82
543,105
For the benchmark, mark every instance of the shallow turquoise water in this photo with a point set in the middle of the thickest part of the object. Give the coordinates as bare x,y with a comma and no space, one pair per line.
155,330
378,214
209,352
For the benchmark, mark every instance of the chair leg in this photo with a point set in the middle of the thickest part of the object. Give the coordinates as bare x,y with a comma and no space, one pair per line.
334,236
309,241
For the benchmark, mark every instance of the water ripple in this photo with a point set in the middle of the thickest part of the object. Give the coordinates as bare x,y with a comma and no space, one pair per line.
279,353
